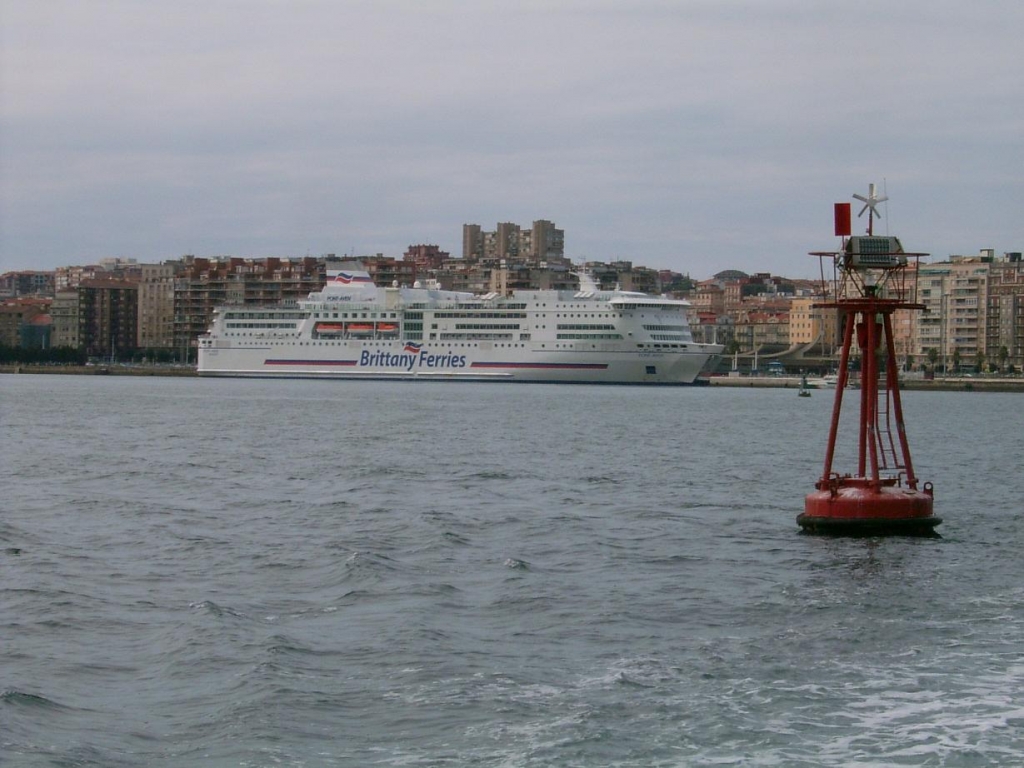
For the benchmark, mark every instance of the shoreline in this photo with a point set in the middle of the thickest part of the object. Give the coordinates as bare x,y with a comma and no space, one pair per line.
952,384
100,370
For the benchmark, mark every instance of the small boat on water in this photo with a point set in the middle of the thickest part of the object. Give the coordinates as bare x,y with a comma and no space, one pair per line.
804,391
828,381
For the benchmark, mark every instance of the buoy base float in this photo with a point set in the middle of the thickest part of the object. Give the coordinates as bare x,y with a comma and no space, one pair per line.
856,506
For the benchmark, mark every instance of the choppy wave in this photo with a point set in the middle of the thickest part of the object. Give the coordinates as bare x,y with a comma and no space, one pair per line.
230,573
22,699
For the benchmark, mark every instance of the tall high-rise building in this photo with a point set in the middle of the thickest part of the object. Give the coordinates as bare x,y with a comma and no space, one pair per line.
156,305
64,314
107,317
1004,331
542,243
954,320
472,242
547,242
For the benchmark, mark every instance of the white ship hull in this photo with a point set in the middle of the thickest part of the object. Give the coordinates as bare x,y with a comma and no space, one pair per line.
355,330
368,360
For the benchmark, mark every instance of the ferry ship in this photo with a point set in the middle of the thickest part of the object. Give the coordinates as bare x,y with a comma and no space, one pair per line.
354,329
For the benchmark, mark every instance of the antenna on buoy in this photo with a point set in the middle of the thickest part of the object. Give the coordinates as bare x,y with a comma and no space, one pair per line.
870,283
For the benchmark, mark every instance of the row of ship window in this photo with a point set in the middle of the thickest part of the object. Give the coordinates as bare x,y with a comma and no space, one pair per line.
269,321
336,343
393,346
261,326
509,345
509,336
476,315
354,315
486,326
560,327
265,315
482,336
463,345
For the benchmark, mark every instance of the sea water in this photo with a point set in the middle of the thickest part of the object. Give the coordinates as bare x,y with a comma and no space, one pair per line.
305,573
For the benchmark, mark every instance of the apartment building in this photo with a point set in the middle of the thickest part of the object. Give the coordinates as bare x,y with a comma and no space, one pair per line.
504,280
204,284
813,325
26,283
389,271
954,321
762,329
426,257
107,317
708,298
156,305
541,243
458,275
64,316
112,268
16,315
623,275
1004,329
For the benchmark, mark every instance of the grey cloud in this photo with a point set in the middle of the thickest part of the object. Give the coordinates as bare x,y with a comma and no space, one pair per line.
686,135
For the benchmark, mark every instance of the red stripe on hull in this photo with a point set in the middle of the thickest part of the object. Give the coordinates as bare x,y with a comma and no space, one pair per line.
546,366
310,362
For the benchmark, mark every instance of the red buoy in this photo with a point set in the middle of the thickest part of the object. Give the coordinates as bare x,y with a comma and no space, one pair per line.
882,497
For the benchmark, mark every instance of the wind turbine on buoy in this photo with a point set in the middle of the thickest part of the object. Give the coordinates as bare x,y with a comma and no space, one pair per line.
870,203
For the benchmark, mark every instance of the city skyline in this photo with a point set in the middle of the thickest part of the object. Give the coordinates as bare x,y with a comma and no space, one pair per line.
688,136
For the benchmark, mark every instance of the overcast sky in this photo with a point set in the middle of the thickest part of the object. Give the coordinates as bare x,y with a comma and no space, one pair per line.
689,135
